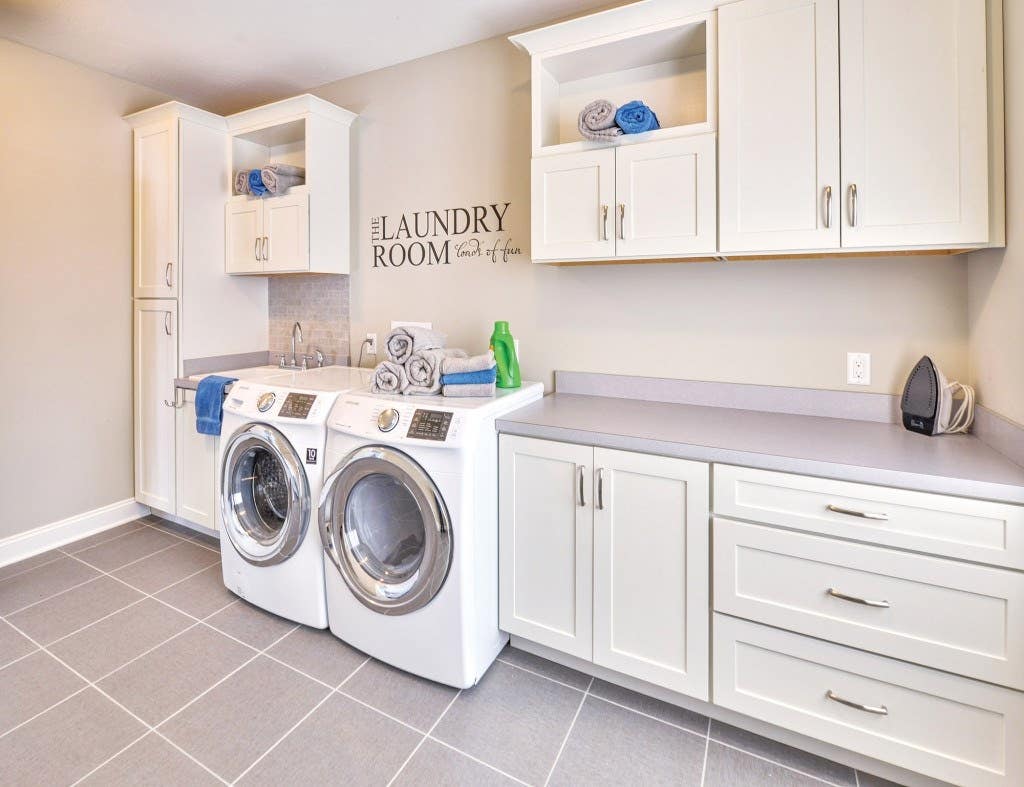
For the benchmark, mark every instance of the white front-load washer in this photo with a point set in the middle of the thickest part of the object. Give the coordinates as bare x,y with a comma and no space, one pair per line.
271,468
409,522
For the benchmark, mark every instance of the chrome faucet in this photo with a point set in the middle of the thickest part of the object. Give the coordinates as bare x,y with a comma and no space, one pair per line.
296,332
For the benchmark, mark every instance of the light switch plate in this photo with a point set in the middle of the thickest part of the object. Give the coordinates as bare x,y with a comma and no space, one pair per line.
858,368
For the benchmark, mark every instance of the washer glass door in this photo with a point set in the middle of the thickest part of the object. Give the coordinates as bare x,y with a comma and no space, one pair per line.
264,495
385,527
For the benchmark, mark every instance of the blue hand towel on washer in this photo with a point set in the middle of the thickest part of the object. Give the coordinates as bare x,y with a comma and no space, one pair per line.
256,186
210,403
636,117
471,378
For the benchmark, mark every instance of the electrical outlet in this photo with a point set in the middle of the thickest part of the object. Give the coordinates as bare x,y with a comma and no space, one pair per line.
858,368
371,344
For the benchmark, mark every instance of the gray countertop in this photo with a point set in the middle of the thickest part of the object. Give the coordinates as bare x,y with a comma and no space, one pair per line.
863,451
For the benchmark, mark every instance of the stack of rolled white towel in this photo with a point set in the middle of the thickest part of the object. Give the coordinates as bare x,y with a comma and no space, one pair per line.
416,360
273,179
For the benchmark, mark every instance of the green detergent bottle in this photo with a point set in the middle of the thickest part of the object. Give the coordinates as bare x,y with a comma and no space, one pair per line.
504,348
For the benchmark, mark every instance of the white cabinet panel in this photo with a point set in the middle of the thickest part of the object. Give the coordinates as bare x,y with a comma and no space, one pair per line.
941,725
779,125
196,460
243,224
545,535
572,205
666,197
155,367
914,122
155,246
286,232
651,569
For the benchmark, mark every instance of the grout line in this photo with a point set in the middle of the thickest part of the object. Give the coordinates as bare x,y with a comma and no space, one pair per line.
98,620
64,547
146,652
707,745
494,768
123,565
12,662
856,777
779,764
185,539
113,756
568,732
60,554
542,675
426,735
59,593
47,709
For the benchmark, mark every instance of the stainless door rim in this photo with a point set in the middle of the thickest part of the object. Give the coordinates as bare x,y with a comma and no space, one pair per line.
265,551
438,545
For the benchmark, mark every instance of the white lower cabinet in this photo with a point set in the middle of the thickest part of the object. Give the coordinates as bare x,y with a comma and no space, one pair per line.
604,556
196,465
941,725
154,369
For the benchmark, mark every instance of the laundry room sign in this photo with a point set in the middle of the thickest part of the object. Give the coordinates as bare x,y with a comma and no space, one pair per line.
443,237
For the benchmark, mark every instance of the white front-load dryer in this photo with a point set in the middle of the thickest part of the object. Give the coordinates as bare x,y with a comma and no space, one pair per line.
271,470
409,522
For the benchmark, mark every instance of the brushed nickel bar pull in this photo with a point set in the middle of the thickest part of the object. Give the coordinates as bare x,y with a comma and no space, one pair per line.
167,274
266,244
600,489
256,249
857,600
167,323
861,514
878,710
604,222
622,221
853,204
828,207
581,469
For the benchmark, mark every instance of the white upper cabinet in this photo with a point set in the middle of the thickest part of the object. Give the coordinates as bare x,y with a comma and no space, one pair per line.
155,199
573,199
286,231
244,245
914,122
665,197
779,185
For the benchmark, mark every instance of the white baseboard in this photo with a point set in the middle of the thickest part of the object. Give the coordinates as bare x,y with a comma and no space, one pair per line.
32,542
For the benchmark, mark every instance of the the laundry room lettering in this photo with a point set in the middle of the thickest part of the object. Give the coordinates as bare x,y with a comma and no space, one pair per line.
438,237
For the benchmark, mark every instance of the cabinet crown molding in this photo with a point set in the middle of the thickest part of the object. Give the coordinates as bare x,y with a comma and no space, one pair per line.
175,109
288,109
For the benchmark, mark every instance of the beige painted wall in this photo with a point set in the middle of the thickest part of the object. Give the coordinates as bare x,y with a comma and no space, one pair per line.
996,277
65,288
452,129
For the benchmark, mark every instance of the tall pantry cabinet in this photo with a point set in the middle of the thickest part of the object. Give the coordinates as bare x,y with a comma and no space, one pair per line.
184,307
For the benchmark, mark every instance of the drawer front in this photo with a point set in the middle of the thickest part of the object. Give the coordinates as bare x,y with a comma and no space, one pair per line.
934,723
956,527
960,617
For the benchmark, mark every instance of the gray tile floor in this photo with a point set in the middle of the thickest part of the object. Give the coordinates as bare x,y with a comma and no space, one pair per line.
123,660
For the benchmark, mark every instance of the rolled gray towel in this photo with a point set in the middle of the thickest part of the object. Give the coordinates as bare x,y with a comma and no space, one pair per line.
597,121
462,364
403,342
241,182
389,378
477,389
278,178
424,370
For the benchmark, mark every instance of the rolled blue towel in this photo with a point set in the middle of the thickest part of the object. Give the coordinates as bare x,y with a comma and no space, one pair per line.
636,117
471,378
256,183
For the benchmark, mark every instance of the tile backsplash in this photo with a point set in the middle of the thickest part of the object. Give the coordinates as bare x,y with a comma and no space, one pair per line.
319,302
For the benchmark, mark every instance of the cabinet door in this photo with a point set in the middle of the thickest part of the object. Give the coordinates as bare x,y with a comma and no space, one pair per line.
156,365
666,197
244,246
914,122
651,525
196,464
155,202
778,95
571,206
545,548
286,233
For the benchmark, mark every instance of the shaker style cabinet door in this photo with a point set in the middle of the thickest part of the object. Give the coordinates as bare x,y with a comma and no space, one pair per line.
545,548
779,186
286,232
651,522
572,206
155,367
196,467
914,122
155,219
666,197
245,245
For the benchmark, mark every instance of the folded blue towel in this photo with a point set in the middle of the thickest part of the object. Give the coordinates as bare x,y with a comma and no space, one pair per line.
210,403
636,117
471,378
256,186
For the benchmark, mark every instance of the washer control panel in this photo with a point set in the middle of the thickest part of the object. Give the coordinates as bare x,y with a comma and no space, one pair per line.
297,405
430,425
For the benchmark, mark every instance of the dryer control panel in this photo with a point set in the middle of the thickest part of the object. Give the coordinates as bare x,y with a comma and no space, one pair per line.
430,424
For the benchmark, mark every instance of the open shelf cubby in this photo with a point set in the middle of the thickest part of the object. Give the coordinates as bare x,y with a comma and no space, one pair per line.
671,68
283,143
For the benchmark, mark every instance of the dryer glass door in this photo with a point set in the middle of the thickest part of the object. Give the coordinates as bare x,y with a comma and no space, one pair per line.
264,495
385,527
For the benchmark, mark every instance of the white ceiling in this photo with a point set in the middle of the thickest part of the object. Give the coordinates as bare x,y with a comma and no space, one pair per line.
226,55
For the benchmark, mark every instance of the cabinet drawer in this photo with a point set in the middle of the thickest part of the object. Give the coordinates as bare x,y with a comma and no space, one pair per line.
941,613
934,723
953,526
